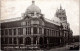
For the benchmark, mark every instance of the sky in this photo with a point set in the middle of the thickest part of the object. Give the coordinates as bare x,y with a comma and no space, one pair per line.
16,8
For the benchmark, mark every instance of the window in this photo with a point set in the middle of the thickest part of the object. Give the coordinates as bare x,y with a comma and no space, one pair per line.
59,13
6,31
20,31
27,40
20,40
2,40
34,30
2,32
6,40
64,18
10,31
14,31
48,31
15,40
63,13
45,31
32,14
28,30
40,30
10,40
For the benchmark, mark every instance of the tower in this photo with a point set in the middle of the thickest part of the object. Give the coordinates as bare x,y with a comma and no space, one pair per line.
61,14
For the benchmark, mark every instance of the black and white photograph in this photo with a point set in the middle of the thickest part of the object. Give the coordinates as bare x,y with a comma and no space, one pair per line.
39,25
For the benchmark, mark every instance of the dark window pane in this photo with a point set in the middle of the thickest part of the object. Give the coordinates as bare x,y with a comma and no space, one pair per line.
40,30
14,31
10,40
20,40
6,31
10,31
2,32
6,40
35,30
20,31
2,40
15,40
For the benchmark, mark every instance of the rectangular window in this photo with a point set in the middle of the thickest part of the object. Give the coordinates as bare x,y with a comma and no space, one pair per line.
15,40
2,40
6,31
20,40
48,31
44,31
20,31
14,31
29,30
10,40
2,32
10,31
40,30
34,30
6,40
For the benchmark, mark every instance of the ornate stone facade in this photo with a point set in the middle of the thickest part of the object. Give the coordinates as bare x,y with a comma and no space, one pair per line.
35,31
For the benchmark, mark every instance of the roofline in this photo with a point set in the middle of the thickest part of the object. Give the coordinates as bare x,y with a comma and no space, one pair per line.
10,20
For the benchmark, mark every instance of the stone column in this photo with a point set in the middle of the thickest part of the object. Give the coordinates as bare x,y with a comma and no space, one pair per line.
38,39
38,30
17,35
24,33
31,40
12,40
12,35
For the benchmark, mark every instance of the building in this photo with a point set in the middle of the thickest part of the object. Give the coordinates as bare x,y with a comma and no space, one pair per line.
76,38
34,30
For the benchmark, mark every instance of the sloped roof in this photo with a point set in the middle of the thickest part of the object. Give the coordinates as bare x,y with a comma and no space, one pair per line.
10,20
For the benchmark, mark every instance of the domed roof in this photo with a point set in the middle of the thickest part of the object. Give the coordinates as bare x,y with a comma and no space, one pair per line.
33,8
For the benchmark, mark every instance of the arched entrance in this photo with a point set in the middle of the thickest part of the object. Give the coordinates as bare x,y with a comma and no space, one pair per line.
27,40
